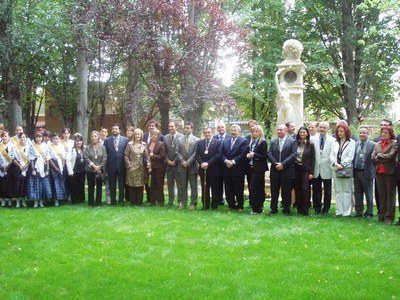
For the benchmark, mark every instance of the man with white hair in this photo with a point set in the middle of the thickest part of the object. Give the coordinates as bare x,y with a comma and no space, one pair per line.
323,172
233,155
282,154
221,136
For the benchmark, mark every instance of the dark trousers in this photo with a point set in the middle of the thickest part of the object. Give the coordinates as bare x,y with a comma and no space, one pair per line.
317,194
113,177
172,179
363,186
398,191
387,195
257,190
280,184
221,189
302,190
212,183
377,202
77,182
135,194
234,191
92,184
157,187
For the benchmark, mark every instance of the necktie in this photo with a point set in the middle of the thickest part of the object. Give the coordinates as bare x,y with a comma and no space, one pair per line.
281,141
116,143
322,142
232,143
221,138
187,143
207,143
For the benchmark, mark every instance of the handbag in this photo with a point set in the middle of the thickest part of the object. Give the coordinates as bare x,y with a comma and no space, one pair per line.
101,175
344,173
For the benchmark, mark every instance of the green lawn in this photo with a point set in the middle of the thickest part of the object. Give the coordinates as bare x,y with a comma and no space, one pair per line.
76,252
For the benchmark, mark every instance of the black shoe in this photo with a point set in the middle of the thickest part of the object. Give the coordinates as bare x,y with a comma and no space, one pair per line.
270,213
357,216
324,213
286,213
368,216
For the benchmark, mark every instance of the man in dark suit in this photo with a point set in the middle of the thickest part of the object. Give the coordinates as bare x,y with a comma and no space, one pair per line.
364,174
221,136
170,142
115,146
208,158
282,155
233,155
151,126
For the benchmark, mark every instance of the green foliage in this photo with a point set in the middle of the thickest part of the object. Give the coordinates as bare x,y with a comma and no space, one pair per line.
349,69
158,253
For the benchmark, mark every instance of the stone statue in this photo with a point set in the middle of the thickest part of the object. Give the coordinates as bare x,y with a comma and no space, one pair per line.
289,85
283,104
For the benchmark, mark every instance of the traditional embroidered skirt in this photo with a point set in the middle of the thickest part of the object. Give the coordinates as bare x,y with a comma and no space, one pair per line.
57,184
39,188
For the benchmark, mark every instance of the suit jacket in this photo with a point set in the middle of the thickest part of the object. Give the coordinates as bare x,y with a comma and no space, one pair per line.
388,157
260,162
323,165
237,153
369,168
398,159
146,137
308,159
157,161
170,148
288,157
115,159
213,157
347,155
188,156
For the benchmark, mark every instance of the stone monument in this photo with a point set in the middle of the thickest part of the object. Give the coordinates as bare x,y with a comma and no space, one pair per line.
289,81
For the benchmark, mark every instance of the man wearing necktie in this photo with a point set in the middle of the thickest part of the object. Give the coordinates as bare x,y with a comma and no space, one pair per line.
233,155
170,141
282,155
208,158
115,146
364,174
323,172
187,166
221,136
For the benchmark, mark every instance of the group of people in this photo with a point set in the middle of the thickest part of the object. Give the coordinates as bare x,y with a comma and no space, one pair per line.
54,168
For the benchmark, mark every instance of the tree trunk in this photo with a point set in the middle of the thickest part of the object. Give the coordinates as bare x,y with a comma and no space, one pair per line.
82,117
10,84
347,44
132,90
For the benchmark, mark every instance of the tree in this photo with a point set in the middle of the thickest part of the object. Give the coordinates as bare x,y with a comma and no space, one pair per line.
10,78
351,54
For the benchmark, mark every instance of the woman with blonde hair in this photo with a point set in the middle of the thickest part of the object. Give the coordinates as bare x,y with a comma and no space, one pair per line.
257,159
136,161
96,158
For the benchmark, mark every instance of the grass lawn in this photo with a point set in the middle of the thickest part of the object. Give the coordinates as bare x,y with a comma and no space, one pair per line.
76,252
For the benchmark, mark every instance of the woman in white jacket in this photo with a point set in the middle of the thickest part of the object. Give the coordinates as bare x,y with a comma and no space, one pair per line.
76,163
342,155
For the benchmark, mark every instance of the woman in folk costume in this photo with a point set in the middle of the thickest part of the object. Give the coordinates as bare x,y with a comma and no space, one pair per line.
57,163
39,186
6,156
18,171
